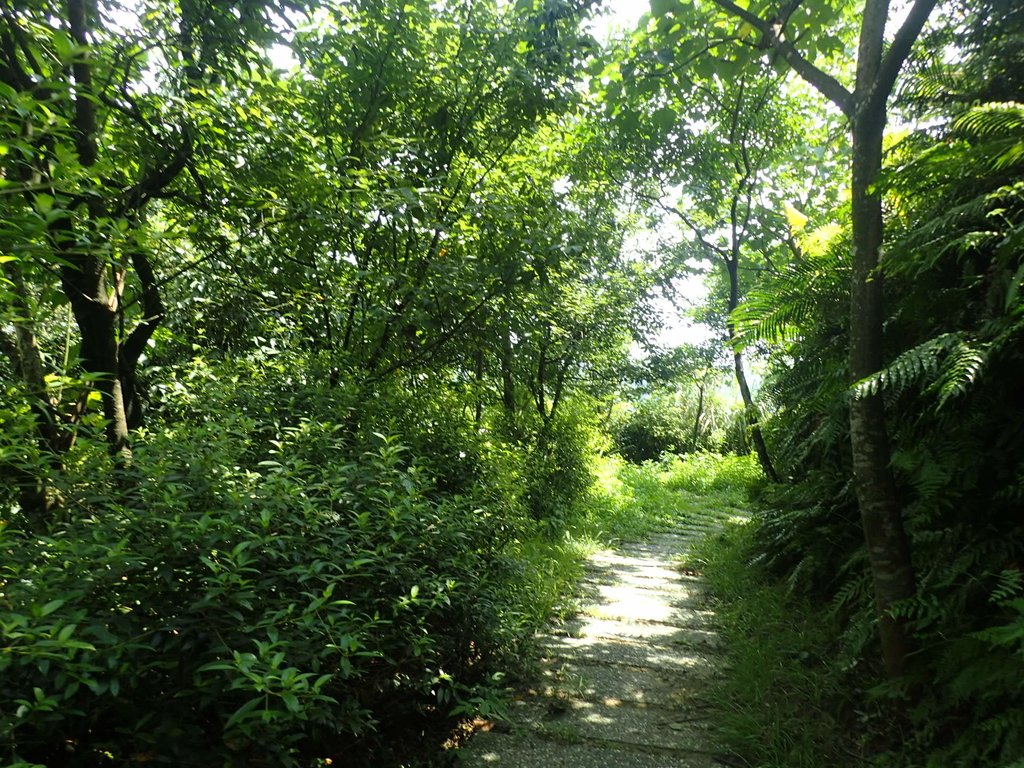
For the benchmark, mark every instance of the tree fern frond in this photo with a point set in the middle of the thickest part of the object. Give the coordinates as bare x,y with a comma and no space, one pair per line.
932,82
908,368
960,370
854,593
776,312
1010,584
989,120
971,218
1009,157
927,472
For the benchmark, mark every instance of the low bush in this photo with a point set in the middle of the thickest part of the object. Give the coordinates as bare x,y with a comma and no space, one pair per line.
558,472
664,422
249,617
731,477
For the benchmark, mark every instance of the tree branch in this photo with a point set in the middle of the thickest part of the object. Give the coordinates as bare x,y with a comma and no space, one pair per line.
827,85
153,310
898,52
698,232
84,119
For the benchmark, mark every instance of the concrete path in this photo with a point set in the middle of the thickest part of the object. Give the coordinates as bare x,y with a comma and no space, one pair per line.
622,682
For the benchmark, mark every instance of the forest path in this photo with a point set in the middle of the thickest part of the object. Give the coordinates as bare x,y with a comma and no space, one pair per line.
622,682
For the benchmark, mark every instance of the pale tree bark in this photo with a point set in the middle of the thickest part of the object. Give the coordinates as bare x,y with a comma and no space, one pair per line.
865,107
695,438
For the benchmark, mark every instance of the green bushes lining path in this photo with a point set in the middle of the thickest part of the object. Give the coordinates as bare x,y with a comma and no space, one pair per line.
798,694
259,618
781,703
287,611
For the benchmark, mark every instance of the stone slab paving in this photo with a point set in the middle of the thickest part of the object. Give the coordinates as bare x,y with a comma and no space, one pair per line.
621,682
627,653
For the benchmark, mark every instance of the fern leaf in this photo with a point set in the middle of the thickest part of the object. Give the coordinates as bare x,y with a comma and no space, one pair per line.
908,368
960,370
988,120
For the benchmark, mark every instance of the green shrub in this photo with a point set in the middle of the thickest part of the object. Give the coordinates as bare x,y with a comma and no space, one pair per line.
663,423
559,474
652,427
239,617
708,474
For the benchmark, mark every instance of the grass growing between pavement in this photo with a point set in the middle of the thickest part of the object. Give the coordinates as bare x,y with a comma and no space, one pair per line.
780,703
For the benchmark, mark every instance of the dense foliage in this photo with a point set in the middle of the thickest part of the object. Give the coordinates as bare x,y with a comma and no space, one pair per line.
314,316
952,269
301,364
677,403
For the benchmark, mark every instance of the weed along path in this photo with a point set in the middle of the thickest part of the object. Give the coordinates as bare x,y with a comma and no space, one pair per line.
621,683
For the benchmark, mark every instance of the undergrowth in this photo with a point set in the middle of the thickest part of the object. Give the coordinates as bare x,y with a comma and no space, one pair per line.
630,501
781,705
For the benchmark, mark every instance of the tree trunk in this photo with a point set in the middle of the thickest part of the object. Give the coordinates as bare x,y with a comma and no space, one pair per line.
84,276
866,108
28,359
85,286
888,547
478,410
508,384
749,409
696,419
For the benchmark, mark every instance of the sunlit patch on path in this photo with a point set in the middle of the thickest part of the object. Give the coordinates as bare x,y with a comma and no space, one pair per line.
622,681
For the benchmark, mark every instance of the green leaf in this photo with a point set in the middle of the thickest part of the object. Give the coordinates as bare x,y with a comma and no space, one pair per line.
50,607
665,119
43,203
660,8
291,702
240,714
1014,289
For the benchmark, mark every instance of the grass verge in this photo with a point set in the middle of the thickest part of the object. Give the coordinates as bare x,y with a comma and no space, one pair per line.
781,704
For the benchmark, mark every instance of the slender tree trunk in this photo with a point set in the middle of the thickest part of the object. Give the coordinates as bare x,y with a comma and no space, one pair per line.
749,409
697,418
760,448
508,386
86,288
28,360
881,517
478,412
